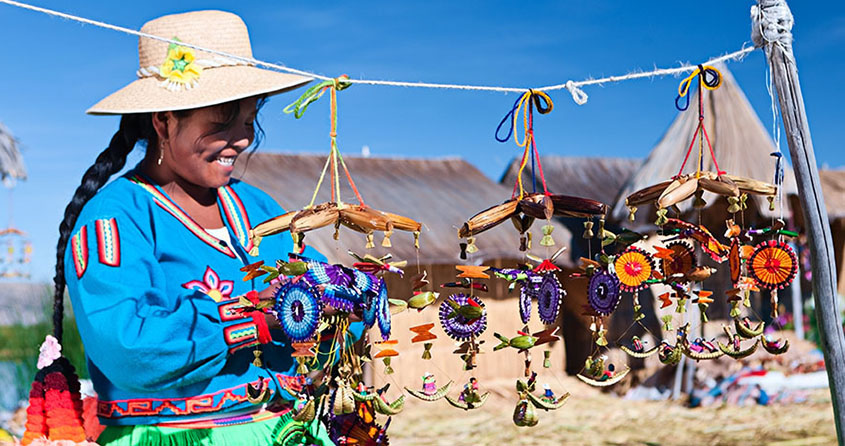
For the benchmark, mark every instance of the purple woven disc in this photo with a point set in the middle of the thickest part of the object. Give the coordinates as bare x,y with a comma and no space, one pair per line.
549,296
383,311
525,294
458,327
603,293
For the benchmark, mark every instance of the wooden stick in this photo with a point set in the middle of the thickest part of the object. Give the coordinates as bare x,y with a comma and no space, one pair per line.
648,194
785,73
366,218
274,225
488,218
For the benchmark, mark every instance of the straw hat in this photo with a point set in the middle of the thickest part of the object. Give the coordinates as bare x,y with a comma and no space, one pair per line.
174,77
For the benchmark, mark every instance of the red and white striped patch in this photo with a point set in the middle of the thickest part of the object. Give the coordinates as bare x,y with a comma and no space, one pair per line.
79,251
108,242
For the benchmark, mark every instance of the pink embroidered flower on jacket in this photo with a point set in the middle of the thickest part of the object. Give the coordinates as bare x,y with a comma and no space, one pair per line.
211,285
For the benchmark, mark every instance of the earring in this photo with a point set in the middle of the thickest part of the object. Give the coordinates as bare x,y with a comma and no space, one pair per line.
161,152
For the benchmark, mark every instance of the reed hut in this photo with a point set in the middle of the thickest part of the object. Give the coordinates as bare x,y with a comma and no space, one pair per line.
833,187
440,193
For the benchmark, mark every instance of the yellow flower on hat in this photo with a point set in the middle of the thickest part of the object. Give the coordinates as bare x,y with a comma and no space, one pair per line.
180,68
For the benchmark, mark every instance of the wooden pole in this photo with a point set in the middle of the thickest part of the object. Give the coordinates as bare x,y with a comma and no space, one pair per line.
772,24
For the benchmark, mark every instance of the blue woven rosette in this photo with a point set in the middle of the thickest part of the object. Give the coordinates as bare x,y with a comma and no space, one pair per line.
298,309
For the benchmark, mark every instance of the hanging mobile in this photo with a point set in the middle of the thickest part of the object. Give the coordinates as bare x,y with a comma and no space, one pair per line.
358,217
524,207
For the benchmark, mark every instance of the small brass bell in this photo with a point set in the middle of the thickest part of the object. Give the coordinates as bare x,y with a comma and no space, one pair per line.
370,244
632,213
386,242
547,359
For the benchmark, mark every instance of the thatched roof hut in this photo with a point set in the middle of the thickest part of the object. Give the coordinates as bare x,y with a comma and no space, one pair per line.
740,141
11,161
833,187
440,193
597,178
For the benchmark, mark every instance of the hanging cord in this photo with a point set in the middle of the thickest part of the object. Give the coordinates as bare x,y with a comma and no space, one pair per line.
524,107
298,107
573,87
711,79
777,154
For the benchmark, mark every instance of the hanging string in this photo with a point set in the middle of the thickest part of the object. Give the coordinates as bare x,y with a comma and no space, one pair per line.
333,136
711,79
525,108
335,159
573,87
709,76
351,181
700,139
533,173
539,167
777,154
319,182
509,120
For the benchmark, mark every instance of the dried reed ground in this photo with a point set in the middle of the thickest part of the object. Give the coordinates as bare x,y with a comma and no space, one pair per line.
593,418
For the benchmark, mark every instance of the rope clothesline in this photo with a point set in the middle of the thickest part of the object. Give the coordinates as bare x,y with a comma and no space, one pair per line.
574,87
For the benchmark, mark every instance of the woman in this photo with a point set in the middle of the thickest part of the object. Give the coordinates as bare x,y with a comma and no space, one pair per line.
151,261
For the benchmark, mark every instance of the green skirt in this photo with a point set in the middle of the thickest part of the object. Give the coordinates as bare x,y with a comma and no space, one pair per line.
279,431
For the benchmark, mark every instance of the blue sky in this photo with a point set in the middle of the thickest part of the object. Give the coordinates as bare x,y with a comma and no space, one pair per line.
55,69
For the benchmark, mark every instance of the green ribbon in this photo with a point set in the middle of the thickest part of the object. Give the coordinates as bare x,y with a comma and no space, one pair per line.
313,93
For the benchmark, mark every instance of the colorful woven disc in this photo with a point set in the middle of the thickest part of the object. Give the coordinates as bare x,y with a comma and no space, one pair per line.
549,296
683,259
633,268
773,265
298,311
603,293
526,292
383,311
458,327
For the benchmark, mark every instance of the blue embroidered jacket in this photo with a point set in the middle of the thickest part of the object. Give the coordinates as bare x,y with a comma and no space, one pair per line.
154,297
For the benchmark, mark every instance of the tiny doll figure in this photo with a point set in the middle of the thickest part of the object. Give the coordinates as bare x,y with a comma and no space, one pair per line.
429,386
